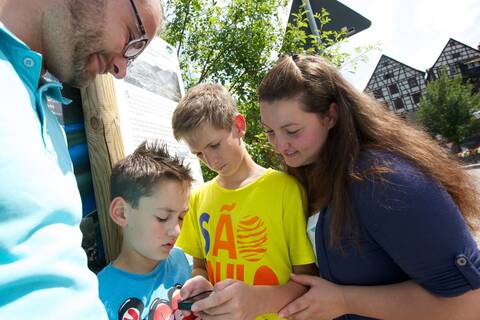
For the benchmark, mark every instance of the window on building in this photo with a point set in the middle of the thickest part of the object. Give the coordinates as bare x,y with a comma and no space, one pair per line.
452,69
456,55
412,82
378,94
416,97
398,103
388,76
393,88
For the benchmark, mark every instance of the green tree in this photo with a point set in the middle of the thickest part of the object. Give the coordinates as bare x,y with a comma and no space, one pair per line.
235,43
446,109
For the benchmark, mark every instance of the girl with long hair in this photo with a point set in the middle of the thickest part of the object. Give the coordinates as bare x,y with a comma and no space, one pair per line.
391,214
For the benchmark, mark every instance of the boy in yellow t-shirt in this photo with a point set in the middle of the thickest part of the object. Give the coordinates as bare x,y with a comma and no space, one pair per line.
246,225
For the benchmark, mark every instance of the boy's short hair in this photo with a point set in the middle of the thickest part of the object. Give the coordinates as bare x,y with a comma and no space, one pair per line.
135,176
204,103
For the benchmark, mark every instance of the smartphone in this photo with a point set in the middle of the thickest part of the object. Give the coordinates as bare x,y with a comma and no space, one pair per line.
186,304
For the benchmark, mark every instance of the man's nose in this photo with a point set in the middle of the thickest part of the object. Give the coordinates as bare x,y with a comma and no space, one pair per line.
118,67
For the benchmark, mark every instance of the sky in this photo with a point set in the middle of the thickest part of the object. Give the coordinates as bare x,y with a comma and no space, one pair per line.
412,32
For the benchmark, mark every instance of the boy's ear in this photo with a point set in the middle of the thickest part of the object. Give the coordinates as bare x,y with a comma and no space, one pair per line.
117,211
331,116
240,124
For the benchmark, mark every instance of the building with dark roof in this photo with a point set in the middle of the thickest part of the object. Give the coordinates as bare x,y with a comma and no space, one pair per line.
398,85
458,59
470,69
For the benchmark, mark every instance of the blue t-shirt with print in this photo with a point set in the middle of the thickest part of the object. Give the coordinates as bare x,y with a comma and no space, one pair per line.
144,296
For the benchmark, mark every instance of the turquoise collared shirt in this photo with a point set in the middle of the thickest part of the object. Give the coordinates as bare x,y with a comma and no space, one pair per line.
43,269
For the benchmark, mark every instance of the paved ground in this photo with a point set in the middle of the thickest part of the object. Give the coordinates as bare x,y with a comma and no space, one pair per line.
476,173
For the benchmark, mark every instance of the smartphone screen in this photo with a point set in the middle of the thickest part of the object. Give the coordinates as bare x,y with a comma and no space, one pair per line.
186,304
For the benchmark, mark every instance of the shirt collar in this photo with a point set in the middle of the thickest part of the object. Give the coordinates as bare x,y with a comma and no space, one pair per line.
28,64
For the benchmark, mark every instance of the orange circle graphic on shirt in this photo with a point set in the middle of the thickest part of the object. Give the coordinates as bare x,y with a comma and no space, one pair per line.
264,276
252,238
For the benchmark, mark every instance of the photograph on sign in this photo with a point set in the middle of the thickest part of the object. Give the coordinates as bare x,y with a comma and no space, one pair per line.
146,100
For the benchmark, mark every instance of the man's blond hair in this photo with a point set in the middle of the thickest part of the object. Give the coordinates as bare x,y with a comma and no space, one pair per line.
209,104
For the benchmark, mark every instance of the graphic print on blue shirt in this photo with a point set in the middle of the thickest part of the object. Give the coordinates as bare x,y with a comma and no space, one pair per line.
160,308
151,296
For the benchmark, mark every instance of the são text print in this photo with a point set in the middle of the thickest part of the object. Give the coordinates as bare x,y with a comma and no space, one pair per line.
248,239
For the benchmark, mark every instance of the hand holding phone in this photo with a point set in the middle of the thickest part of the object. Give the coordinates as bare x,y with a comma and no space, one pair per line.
186,304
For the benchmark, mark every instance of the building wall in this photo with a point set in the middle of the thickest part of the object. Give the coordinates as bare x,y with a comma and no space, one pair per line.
452,58
397,85
401,86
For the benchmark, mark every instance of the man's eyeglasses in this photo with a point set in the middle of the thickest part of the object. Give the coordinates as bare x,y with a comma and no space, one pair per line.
136,46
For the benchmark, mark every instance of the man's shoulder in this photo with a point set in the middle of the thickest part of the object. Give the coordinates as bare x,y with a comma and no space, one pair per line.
7,73
12,87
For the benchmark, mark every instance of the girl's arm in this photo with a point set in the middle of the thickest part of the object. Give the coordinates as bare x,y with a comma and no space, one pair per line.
406,300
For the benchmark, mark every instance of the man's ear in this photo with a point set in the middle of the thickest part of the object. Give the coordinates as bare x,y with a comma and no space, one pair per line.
331,116
239,124
118,211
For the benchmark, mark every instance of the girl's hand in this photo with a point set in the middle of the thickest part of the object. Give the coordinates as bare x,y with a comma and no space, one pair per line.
324,300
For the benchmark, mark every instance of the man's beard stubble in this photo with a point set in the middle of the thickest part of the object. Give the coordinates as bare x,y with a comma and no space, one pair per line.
88,20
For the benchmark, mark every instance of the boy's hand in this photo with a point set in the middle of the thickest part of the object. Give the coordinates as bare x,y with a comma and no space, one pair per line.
194,286
231,300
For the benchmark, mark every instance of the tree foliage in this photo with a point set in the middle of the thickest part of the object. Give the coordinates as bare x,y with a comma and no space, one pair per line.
446,109
235,43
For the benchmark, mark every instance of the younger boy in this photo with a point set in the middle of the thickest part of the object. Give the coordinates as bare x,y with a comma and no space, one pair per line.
246,224
149,197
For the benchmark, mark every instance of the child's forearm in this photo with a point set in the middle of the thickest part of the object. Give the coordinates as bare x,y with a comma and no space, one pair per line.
199,268
274,298
277,297
280,296
200,272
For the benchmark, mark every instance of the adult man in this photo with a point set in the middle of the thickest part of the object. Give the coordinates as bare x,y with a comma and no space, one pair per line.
43,270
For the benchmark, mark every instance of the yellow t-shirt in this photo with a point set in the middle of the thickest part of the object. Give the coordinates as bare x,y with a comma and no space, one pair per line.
255,233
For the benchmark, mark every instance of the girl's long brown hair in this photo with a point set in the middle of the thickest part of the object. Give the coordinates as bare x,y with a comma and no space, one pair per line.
362,124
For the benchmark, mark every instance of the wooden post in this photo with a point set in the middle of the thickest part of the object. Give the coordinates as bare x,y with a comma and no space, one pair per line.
105,148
